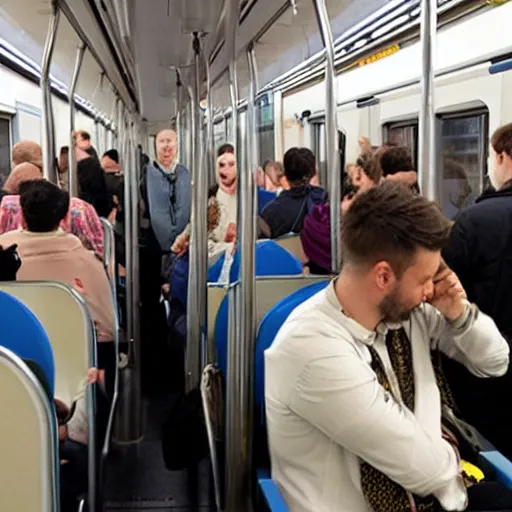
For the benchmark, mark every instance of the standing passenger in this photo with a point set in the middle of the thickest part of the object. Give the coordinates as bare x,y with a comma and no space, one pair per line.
166,201
352,403
480,251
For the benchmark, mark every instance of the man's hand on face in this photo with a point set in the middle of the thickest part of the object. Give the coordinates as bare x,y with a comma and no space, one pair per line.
449,296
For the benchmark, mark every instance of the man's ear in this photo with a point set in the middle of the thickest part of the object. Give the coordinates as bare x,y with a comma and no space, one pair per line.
383,275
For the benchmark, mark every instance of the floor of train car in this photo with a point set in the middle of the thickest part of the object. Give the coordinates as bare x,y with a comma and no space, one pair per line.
138,480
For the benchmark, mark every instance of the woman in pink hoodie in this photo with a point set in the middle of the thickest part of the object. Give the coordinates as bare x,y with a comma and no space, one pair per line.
48,253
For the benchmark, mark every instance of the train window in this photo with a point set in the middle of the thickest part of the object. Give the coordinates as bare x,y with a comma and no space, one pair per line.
404,133
265,121
463,159
5,149
219,133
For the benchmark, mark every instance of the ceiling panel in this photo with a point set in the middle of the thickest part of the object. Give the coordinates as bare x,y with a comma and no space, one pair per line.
28,33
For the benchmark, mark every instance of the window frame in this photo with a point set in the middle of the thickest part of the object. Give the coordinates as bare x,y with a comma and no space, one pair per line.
5,116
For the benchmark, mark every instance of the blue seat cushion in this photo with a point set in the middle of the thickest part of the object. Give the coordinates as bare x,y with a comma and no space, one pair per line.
264,197
23,334
270,325
271,260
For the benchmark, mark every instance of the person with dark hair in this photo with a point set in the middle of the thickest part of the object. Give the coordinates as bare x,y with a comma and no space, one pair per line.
63,167
113,175
286,213
316,233
397,165
82,221
480,251
50,254
225,193
353,406
92,185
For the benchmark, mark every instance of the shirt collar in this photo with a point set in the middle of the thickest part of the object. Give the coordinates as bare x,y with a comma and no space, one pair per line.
356,330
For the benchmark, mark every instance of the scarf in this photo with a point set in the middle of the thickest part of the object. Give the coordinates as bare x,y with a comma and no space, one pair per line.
381,493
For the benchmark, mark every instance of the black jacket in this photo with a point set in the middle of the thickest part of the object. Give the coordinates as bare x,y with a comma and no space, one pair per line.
480,253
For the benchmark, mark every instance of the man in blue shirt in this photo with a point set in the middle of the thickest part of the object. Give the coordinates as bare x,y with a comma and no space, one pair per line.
166,200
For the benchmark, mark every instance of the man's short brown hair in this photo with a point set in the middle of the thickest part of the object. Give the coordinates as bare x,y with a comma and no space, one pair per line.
390,223
501,140
396,159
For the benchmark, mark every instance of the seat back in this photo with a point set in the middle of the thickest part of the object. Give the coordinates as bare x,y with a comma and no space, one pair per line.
216,294
23,334
29,467
67,322
269,291
270,325
109,259
270,260
292,243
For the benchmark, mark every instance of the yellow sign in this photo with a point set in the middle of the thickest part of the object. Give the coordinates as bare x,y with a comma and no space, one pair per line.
496,3
382,54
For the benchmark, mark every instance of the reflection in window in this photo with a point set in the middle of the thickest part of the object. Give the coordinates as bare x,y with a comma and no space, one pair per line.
404,134
5,150
463,151
265,121
219,133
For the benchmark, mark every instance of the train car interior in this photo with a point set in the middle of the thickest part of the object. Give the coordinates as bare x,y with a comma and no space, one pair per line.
134,334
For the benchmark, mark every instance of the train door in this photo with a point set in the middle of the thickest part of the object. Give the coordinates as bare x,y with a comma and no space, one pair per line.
463,146
319,149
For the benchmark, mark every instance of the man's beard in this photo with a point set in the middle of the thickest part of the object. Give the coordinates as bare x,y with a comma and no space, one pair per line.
393,309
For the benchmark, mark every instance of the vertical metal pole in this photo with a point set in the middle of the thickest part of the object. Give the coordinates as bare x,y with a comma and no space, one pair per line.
97,138
136,430
129,424
72,176
331,133
180,129
197,238
105,138
209,169
49,168
427,128
241,323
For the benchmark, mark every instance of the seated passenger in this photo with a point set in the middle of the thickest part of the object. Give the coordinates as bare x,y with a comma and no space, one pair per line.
480,251
82,220
316,232
224,235
27,151
275,179
50,254
287,212
352,403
